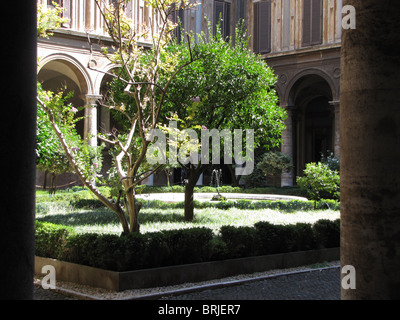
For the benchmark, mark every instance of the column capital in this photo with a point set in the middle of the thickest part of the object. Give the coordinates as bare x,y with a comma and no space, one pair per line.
91,99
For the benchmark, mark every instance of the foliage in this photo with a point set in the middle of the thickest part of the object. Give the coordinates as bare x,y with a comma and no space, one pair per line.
50,155
140,71
274,163
331,161
226,87
326,233
53,111
48,19
320,181
173,247
50,238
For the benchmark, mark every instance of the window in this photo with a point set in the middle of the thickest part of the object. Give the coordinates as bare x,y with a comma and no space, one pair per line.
240,9
222,17
312,22
262,27
66,5
178,17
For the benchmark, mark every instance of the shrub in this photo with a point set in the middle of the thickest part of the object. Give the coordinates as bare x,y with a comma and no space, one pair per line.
327,233
87,203
320,181
269,238
50,239
80,249
188,245
173,247
303,237
274,163
218,249
240,241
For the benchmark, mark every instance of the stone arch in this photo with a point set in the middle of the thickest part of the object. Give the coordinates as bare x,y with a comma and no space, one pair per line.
313,118
61,72
62,64
292,87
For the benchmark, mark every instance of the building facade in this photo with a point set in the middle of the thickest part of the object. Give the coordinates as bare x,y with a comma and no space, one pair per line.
299,39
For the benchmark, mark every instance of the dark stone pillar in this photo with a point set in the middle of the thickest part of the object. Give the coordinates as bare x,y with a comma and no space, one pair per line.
18,122
370,150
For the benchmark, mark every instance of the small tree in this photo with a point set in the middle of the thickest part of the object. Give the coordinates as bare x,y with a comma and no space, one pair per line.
226,88
274,163
320,181
146,77
50,156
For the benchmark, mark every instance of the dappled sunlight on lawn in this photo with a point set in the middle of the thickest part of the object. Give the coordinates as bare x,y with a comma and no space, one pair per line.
103,220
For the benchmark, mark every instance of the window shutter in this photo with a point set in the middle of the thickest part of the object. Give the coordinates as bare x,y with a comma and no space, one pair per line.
222,10
239,11
262,26
227,20
307,22
177,16
256,36
312,22
316,23
218,15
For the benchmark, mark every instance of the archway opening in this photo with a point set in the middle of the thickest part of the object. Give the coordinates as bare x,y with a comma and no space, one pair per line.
313,126
59,75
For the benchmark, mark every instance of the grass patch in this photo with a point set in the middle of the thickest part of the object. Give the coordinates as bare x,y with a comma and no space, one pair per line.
103,220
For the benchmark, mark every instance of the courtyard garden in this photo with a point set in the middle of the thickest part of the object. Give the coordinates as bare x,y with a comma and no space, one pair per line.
73,226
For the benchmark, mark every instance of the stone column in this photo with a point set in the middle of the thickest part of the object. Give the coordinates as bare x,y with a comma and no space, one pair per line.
287,145
89,15
336,127
18,123
370,150
90,131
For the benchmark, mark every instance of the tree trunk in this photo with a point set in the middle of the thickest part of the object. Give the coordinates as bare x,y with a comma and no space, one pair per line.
194,176
133,208
370,151
235,180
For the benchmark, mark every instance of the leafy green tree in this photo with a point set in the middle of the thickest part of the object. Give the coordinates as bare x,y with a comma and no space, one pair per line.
226,87
50,156
274,163
320,181
145,76
48,19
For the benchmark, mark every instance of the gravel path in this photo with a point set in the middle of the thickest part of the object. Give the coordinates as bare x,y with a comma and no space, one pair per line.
305,282
310,285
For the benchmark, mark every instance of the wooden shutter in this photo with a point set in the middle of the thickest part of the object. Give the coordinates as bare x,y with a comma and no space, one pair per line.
239,11
316,22
227,19
312,22
177,16
262,27
222,10
307,22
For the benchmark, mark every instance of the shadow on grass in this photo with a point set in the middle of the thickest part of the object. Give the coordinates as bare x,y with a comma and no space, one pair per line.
105,217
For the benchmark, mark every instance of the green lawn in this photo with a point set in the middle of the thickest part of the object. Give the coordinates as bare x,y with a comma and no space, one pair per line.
152,219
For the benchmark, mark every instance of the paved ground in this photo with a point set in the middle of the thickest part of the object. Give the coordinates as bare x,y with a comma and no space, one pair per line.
323,284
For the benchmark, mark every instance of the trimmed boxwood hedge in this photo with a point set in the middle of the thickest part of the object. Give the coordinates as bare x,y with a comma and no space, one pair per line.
174,247
284,205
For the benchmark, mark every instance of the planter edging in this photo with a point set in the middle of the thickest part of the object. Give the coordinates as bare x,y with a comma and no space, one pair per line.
172,275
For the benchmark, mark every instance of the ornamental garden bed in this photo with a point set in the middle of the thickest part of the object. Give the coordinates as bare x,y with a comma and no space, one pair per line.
172,275
186,255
